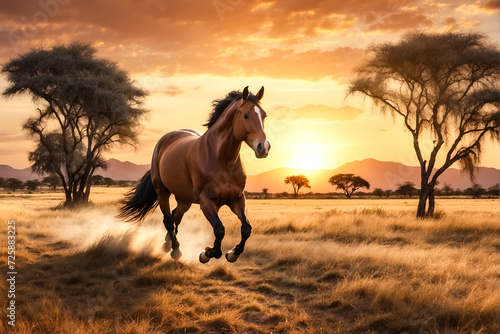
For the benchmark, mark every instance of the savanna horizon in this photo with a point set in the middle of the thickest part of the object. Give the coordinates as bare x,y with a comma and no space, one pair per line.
384,175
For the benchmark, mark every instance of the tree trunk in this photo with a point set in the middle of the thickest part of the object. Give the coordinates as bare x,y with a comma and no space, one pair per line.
87,188
69,199
76,194
80,195
424,189
87,193
296,191
422,201
430,211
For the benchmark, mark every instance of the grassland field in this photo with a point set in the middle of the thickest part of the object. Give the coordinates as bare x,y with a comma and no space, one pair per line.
310,266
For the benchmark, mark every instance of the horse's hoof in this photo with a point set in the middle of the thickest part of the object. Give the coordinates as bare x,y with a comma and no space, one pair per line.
167,246
175,253
231,257
203,257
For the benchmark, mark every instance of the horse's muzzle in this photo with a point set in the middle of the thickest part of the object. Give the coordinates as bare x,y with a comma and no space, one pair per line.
262,149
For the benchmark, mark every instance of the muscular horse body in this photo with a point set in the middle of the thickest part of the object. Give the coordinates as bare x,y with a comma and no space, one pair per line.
204,169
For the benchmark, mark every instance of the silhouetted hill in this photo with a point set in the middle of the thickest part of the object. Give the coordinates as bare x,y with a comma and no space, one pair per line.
120,170
21,174
380,174
117,170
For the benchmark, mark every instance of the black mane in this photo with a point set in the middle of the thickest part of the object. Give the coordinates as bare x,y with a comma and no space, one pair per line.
219,105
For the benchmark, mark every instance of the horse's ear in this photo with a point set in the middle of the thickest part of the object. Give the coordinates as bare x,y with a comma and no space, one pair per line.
245,93
260,94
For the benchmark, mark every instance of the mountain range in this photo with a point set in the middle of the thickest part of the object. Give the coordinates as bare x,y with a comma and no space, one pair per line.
380,174
117,170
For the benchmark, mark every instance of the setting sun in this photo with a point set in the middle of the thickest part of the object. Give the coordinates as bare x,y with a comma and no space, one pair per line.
310,157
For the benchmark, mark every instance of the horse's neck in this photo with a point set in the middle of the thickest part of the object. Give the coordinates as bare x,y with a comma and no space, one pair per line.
220,138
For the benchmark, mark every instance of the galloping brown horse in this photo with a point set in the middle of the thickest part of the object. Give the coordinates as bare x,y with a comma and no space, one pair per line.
204,169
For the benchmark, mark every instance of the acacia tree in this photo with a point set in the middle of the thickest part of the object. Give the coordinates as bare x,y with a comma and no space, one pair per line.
297,182
84,105
378,192
406,189
349,183
445,89
475,191
14,184
52,180
494,190
32,184
447,189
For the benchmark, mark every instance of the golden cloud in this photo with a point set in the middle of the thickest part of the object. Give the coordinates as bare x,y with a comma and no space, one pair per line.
296,39
327,113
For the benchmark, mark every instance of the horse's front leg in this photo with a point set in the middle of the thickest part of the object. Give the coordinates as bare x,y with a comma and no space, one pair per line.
210,210
171,242
239,208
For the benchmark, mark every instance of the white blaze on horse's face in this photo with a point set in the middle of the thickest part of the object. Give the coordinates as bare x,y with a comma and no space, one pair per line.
257,139
257,110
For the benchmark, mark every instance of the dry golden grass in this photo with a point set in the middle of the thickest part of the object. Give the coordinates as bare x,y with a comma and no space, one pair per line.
311,266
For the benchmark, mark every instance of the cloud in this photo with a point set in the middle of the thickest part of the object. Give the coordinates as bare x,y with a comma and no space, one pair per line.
327,113
172,90
480,7
295,39
184,37
14,148
12,137
399,21
493,5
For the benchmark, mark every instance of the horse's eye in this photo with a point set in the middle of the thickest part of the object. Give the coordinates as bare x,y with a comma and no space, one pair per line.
245,116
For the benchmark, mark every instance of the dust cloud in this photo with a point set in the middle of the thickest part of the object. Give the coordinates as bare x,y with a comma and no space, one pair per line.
87,228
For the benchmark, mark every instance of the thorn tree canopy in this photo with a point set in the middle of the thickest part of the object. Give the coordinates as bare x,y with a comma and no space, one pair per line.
445,89
84,105
349,183
297,182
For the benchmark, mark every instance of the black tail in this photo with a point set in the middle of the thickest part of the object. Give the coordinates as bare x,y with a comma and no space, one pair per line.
139,201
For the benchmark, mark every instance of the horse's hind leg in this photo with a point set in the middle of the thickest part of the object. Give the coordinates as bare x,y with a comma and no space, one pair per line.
178,213
239,209
171,237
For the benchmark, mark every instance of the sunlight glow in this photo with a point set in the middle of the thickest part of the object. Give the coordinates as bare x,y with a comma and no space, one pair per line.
311,156
309,161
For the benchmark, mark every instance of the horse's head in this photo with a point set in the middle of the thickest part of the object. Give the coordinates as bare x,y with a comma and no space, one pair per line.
249,123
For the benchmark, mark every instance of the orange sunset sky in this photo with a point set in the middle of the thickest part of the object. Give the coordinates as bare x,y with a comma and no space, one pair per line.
187,53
